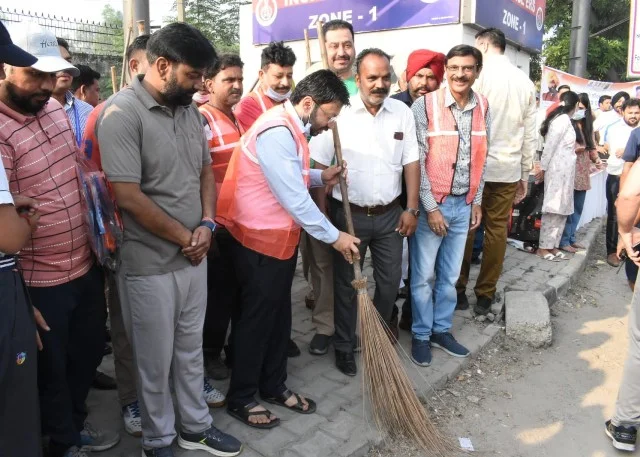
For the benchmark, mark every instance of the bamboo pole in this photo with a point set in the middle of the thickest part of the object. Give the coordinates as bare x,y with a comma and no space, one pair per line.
308,47
323,46
180,8
124,57
114,80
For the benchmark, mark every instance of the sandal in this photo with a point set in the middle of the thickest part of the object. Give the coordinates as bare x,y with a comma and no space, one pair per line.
561,255
297,407
243,414
549,257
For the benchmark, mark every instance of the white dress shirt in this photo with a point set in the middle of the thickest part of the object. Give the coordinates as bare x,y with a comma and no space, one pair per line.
616,136
376,148
512,100
604,121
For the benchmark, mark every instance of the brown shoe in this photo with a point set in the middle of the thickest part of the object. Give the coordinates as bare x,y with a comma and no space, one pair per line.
612,259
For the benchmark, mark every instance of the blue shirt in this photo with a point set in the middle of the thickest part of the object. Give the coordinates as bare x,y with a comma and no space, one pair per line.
278,158
78,113
632,151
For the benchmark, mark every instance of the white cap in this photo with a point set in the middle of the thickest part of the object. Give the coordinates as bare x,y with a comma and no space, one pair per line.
42,44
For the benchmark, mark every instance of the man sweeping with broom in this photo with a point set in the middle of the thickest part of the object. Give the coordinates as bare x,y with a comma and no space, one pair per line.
263,203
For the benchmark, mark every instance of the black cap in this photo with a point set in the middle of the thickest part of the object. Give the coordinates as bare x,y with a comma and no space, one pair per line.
12,54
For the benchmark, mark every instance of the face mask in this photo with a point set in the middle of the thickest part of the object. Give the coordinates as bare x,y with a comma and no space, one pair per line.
579,115
200,98
273,95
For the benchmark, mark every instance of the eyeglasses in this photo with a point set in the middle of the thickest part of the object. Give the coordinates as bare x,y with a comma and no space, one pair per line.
324,112
465,69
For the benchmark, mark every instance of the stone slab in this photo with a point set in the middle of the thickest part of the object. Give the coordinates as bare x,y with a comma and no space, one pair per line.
528,319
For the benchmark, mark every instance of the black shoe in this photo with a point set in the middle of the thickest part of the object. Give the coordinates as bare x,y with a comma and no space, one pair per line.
346,362
623,438
293,350
476,260
103,381
212,441
319,344
483,306
463,301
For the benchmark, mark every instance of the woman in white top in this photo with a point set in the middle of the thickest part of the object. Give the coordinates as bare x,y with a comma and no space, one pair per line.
557,170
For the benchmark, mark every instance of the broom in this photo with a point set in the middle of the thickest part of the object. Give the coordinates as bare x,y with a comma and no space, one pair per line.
396,409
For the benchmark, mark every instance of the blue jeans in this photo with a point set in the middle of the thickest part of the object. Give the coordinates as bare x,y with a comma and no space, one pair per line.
570,228
435,267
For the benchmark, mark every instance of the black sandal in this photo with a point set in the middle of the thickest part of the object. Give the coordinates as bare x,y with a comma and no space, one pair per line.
298,407
243,414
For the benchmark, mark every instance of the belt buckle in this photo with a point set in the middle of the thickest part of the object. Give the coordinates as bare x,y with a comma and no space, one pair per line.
369,209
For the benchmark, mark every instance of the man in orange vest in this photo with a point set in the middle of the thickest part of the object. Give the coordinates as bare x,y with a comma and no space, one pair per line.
453,133
274,86
264,203
223,83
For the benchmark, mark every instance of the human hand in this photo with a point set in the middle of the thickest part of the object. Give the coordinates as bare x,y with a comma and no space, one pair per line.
619,153
198,246
626,241
437,223
539,176
347,245
407,224
476,217
331,175
521,191
40,322
23,204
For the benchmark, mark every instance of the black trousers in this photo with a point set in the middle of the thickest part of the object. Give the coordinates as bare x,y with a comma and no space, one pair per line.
261,331
73,349
19,415
378,234
406,306
612,190
223,293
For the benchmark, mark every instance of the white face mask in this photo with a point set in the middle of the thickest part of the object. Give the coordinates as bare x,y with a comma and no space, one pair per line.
307,126
200,98
579,115
273,95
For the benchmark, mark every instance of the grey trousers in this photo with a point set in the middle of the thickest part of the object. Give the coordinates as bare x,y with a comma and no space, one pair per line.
122,353
628,405
321,274
164,315
378,234
551,230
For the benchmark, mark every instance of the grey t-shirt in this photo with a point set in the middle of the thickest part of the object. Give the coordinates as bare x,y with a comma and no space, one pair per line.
144,142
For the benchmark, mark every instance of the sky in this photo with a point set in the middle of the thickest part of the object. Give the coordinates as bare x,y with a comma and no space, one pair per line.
85,9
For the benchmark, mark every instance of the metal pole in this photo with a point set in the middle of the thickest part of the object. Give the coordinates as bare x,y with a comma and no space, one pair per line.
580,23
141,16
180,7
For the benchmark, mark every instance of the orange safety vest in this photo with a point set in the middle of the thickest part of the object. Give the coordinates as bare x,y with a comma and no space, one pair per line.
226,134
261,98
246,206
444,138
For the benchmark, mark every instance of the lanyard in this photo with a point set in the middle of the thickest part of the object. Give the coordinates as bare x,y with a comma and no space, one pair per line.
77,123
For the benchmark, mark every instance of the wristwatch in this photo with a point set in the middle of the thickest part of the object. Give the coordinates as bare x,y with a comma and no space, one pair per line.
209,223
415,212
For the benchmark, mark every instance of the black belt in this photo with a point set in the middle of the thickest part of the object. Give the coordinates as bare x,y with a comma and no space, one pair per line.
371,210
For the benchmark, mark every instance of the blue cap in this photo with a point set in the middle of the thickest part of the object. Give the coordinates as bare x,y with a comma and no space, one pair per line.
12,54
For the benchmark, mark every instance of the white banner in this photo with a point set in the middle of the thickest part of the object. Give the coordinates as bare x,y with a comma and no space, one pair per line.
633,61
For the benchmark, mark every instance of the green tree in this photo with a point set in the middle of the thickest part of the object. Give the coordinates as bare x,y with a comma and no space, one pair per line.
115,42
607,52
218,20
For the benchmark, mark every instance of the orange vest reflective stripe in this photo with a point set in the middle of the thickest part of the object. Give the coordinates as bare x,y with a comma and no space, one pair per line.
443,139
226,135
246,206
265,102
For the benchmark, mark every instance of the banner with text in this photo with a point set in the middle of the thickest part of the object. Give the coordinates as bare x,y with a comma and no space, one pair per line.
285,20
633,62
522,21
552,79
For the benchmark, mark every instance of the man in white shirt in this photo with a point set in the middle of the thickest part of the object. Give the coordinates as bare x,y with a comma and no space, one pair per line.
379,143
513,142
615,140
608,118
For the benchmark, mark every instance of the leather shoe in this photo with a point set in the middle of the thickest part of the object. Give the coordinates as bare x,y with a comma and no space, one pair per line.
346,362
462,301
102,381
613,260
483,306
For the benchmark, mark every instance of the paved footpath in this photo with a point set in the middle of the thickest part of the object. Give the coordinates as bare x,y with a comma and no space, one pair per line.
342,426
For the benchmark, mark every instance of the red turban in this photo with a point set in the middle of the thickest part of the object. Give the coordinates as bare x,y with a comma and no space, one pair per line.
423,58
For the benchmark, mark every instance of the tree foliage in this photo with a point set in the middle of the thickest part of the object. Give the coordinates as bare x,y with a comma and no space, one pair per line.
218,20
607,51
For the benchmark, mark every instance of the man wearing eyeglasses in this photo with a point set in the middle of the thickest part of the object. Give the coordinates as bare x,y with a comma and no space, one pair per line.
379,143
453,125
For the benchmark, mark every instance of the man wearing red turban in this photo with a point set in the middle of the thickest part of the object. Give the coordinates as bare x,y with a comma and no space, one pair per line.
424,73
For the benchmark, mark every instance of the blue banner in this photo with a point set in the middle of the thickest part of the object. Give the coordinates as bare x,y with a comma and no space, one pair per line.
285,20
522,21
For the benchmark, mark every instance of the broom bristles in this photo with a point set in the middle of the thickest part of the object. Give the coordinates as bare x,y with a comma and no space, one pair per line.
395,407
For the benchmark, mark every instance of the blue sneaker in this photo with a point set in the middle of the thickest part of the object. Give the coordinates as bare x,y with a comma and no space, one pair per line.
94,440
157,452
421,352
75,451
212,441
448,344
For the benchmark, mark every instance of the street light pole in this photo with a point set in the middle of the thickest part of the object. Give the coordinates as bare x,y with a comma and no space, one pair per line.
580,22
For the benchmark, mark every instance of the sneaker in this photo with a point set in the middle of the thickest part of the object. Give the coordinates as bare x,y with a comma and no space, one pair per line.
216,368
212,441
421,352
623,438
131,418
75,451
448,344
462,301
157,452
483,306
319,344
97,440
213,397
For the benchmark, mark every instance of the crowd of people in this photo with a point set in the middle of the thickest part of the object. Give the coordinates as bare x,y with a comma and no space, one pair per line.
218,193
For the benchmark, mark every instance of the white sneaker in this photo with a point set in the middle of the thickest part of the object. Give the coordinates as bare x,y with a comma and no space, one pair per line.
213,397
131,418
